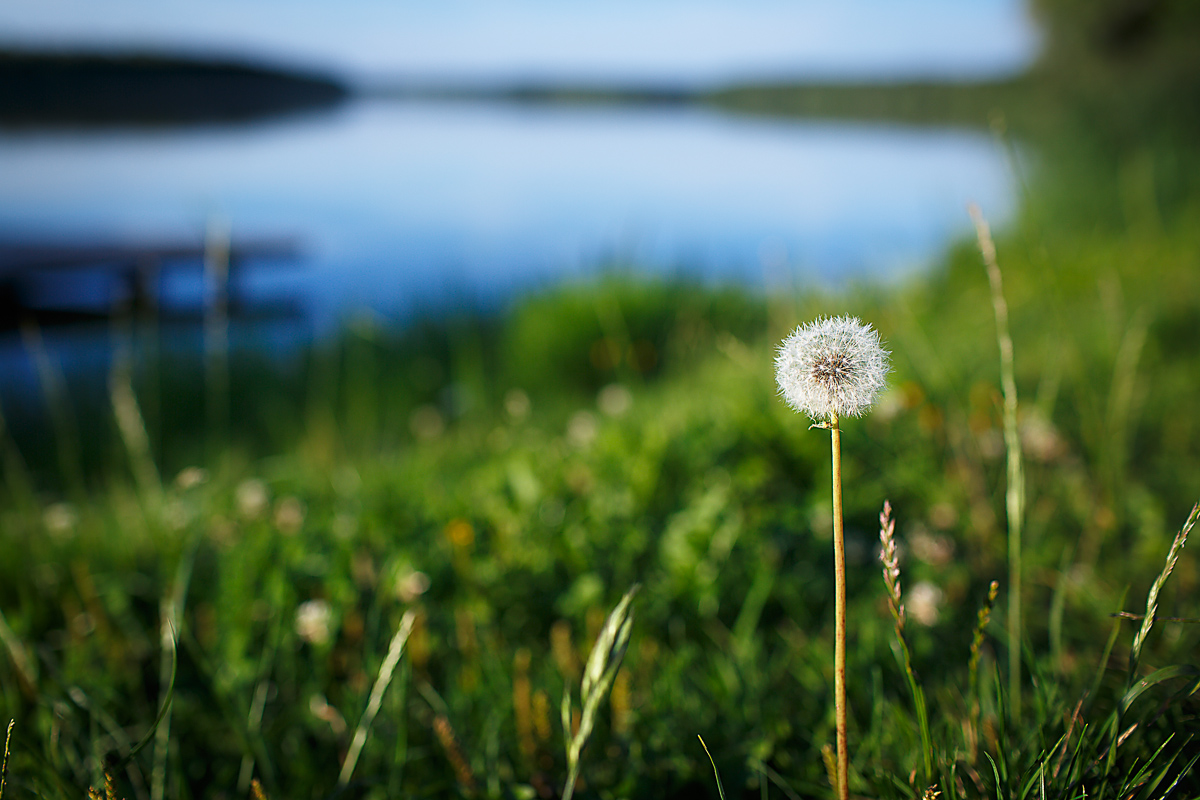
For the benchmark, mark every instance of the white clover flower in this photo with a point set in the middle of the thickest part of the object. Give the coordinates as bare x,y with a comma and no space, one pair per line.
832,366
313,619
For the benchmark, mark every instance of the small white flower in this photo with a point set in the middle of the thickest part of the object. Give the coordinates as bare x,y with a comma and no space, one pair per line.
313,619
253,498
834,365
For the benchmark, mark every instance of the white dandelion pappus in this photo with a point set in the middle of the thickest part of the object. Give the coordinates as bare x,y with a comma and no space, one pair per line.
832,366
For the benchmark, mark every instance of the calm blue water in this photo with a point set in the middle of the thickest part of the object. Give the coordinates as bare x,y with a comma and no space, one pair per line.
411,208
401,205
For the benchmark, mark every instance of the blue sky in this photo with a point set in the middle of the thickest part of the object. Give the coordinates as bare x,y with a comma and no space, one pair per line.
666,41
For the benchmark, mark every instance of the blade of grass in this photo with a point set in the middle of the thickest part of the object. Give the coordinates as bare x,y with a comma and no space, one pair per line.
1157,677
1179,776
173,642
221,701
1015,493
395,649
1103,662
777,779
716,774
171,611
1153,783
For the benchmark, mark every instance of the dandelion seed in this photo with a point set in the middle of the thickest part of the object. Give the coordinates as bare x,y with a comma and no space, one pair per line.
832,367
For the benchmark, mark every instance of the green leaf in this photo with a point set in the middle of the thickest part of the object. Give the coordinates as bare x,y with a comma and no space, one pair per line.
1159,676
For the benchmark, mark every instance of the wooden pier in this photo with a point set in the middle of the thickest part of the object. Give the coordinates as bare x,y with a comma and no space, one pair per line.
56,283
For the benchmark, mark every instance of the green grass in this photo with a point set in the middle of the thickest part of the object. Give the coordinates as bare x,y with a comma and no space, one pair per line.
528,527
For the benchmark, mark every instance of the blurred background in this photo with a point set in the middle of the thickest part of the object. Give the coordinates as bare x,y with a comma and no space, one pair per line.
383,164
401,160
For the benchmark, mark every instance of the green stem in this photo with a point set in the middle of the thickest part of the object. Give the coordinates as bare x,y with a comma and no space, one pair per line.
839,611
1015,493
572,777
918,696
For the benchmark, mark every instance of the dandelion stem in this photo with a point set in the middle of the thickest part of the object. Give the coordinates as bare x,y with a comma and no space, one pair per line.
828,369
839,611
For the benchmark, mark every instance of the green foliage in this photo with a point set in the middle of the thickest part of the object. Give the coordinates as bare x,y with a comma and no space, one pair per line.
520,525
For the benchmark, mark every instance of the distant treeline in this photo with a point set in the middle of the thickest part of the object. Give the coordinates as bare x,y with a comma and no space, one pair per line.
48,88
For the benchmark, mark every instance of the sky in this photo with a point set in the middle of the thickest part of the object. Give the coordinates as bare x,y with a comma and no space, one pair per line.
668,42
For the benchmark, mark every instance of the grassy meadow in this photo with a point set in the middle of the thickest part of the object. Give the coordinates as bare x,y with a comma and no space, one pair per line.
379,575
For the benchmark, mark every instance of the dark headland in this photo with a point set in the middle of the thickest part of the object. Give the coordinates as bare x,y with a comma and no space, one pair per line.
87,89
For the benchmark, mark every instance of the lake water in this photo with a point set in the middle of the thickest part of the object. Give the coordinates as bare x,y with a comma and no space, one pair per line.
413,208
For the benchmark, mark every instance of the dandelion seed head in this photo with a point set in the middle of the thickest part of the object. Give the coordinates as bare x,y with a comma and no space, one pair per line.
832,366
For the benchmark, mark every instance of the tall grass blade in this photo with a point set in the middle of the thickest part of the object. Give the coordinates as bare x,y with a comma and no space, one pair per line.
395,650
171,611
162,741
1102,664
1015,493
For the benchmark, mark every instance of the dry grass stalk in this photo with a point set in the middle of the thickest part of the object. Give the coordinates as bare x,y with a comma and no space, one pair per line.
984,617
522,703
891,580
4,767
462,770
